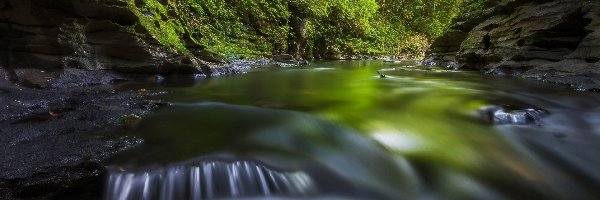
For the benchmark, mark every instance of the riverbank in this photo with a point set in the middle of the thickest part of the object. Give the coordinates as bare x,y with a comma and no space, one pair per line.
55,129
57,125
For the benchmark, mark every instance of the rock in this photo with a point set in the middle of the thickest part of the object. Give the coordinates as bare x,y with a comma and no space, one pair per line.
34,78
87,177
53,141
130,120
303,62
70,78
285,58
6,80
558,40
88,35
500,115
381,75
388,60
580,74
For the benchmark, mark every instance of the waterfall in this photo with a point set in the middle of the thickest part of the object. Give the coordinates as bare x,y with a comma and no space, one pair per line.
208,180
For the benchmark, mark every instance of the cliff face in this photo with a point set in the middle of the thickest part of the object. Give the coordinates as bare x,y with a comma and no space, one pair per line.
88,34
550,40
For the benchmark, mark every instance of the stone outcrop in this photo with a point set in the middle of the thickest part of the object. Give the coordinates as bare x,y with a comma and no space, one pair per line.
85,34
550,40
54,141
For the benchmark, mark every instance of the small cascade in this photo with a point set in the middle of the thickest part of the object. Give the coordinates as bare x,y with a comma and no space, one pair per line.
503,115
208,180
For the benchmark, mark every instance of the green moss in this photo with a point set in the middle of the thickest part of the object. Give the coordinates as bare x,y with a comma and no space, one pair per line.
166,31
255,28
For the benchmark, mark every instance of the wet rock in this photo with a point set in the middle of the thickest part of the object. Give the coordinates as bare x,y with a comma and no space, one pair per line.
243,65
381,75
500,115
452,66
303,62
86,179
34,78
388,60
53,141
513,68
69,78
285,58
553,39
6,80
580,74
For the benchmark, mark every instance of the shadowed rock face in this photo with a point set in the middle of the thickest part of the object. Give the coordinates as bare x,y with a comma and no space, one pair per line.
47,34
550,40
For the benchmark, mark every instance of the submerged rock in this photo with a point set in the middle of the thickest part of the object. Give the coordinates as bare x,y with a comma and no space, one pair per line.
505,115
556,41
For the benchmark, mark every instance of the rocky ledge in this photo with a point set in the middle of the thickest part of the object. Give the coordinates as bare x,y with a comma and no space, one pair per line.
551,40
56,133
48,34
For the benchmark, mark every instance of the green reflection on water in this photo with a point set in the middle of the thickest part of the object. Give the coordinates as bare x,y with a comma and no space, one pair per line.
410,133
414,112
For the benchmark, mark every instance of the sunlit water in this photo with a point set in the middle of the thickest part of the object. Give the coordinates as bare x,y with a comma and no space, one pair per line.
338,130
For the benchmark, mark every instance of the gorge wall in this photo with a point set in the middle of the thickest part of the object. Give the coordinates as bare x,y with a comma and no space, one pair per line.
93,34
551,40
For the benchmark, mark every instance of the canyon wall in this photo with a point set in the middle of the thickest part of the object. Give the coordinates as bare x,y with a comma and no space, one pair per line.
550,40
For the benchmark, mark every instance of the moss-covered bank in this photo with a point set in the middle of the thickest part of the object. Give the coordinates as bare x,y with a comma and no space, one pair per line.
305,28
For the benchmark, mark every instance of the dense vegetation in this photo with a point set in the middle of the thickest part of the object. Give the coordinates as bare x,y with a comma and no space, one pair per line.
304,28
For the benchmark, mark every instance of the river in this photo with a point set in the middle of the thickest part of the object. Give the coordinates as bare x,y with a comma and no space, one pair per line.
338,130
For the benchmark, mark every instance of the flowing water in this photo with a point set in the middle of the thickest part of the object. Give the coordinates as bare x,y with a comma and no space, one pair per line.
337,130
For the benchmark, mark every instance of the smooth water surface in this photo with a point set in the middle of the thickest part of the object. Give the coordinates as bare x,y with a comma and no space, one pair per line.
339,130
